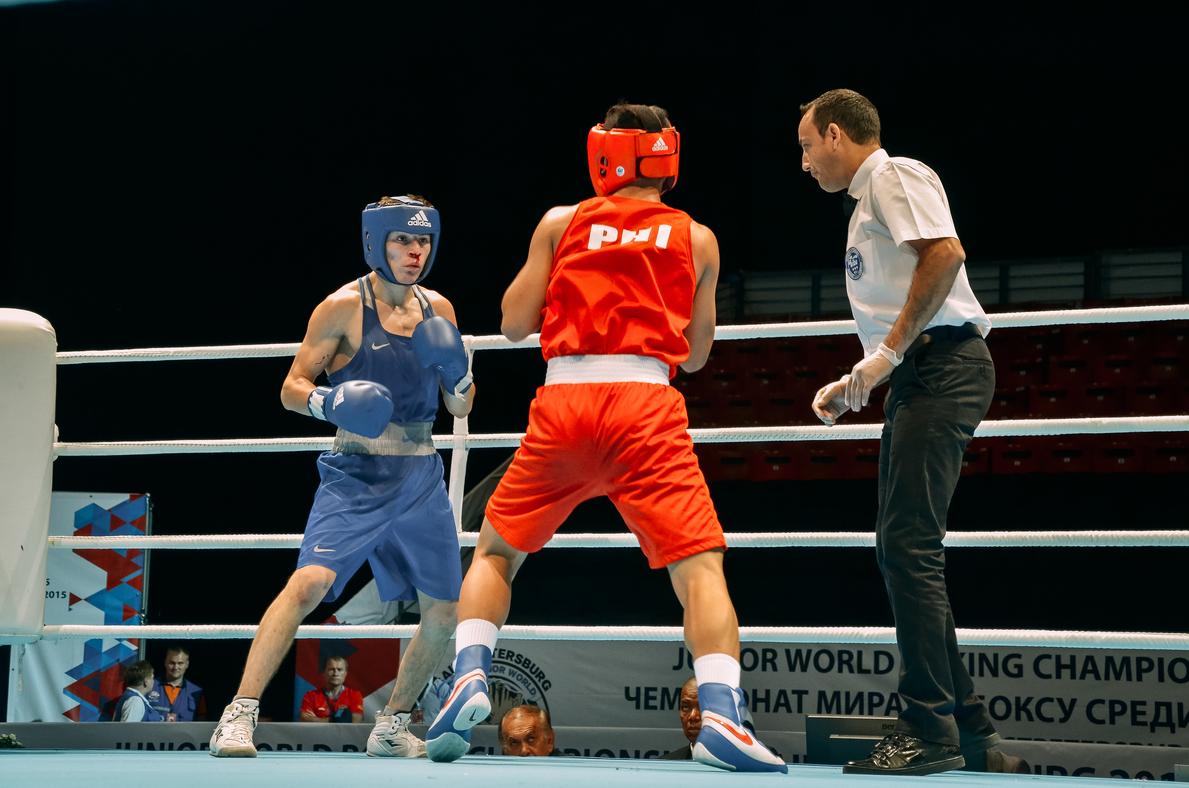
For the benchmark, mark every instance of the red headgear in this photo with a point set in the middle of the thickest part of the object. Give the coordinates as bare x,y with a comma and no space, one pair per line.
619,156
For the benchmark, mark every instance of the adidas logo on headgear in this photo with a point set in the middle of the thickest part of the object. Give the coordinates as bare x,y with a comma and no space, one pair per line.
420,220
659,145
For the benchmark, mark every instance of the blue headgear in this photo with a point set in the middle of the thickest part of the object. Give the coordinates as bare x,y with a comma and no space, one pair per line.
409,216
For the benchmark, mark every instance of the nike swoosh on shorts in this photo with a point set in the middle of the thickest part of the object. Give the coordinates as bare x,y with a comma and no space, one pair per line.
318,549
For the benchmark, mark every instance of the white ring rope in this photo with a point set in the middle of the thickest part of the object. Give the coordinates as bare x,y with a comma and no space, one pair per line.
988,429
1015,638
468,539
1055,317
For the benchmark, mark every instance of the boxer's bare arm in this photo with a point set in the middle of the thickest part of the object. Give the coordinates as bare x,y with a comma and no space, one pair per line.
459,407
700,331
525,297
326,337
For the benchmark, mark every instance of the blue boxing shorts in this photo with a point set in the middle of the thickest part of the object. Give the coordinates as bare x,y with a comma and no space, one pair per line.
394,513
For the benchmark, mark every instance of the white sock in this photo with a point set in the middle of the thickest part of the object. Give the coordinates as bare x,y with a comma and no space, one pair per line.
475,632
717,669
244,699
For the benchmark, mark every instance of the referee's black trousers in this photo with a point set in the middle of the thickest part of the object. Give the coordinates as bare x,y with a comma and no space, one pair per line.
937,397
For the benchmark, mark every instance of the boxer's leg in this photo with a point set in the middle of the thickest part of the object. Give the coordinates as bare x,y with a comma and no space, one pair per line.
487,588
274,637
711,626
482,609
306,588
439,617
391,736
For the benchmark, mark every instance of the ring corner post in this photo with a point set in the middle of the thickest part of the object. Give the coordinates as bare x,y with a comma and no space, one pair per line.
28,347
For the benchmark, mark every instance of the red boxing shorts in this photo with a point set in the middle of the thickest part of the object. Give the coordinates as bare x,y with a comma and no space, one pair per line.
627,441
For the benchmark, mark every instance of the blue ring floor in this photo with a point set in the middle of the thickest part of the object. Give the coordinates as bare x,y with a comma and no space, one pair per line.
116,769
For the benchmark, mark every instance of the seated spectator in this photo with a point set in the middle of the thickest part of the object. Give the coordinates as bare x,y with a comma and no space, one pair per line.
175,698
527,731
691,721
133,706
334,702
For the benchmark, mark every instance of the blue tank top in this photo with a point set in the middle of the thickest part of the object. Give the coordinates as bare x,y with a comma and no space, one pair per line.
388,359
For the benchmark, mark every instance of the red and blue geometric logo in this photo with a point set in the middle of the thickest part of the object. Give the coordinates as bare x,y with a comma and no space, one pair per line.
98,680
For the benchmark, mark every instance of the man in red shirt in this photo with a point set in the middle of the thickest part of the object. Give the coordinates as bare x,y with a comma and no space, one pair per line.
621,288
333,703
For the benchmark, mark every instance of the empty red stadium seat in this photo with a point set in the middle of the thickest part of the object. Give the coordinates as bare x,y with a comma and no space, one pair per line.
1172,339
741,411
806,379
1021,372
1166,365
789,353
1133,340
773,462
1070,371
765,382
1100,400
1116,369
1021,455
977,458
827,460
866,459
701,412
790,408
1069,455
1055,402
724,462
1118,457
1149,399
1084,341
724,381
1044,342
1009,403
1166,456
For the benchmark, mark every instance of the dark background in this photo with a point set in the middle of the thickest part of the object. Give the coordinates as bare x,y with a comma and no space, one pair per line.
191,173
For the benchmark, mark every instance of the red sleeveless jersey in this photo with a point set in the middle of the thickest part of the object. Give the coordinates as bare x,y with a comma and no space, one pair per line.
622,282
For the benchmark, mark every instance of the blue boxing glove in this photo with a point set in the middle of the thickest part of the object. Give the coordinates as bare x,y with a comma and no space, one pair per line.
437,343
358,406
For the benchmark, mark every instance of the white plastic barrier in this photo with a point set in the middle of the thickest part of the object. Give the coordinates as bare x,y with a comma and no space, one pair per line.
27,388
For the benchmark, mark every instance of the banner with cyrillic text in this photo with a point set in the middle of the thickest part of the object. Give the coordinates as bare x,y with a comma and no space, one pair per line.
1085,695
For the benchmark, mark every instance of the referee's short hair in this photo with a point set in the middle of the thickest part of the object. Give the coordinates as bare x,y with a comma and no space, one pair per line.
853,113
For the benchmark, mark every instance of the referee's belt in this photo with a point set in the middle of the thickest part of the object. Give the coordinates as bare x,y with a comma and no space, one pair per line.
949,333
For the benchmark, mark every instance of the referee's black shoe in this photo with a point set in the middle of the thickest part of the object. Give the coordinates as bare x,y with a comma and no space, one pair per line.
900,754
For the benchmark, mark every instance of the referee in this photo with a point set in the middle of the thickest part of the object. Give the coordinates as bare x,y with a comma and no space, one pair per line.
922,329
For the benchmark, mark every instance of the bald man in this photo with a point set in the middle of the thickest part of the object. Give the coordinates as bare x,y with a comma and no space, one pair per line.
527,731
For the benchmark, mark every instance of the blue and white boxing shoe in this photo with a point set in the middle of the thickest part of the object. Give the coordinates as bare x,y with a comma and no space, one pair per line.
725,741
468,705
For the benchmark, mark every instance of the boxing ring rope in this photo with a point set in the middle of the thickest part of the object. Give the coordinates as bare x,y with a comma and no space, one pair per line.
822,539
1054,317
987,429
1016,638
461,441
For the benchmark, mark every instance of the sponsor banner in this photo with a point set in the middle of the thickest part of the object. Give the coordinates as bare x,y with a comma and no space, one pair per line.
1083,695
1099,760
75,679
1057,758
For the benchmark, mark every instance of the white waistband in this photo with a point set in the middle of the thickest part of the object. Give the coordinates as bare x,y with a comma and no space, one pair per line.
606,369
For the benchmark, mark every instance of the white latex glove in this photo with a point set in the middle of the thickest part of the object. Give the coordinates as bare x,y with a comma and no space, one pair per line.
865,376
828,404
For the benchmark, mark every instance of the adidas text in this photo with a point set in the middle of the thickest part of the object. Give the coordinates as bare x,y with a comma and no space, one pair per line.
420,220
659,145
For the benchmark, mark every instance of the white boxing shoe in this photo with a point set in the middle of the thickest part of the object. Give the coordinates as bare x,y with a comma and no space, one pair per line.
391,738
233,735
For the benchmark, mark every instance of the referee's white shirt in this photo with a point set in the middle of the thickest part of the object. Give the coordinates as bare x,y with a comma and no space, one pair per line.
899,200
